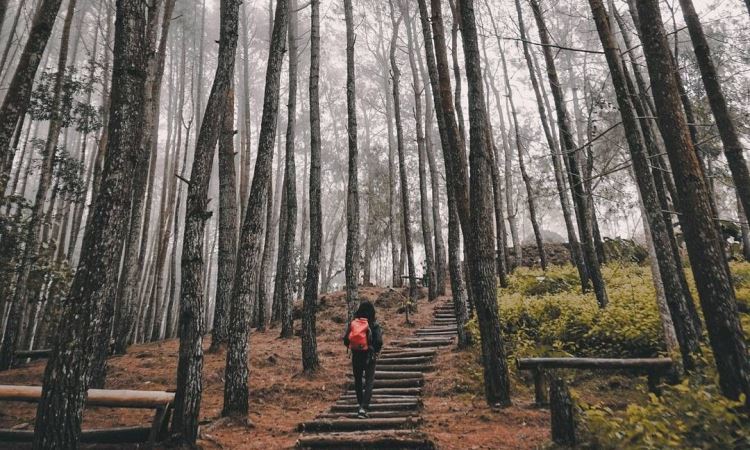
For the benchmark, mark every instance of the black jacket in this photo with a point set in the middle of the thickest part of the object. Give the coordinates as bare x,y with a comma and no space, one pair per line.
374,338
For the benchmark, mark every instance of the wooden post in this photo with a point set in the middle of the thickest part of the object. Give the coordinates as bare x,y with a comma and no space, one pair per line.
561,412
540,387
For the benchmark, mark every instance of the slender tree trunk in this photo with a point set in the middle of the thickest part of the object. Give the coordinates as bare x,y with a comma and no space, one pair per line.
66,376
729,137
227,227
236,395
449,139
481,242
33,236
284,278
352,199
430,269
19,91
405,208
687,335
568,148
573,245
190,362
704,244
310,361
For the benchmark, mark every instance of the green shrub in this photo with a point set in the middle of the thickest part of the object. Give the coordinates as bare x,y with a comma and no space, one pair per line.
690,415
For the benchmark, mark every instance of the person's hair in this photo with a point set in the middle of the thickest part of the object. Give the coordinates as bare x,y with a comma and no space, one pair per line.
366,311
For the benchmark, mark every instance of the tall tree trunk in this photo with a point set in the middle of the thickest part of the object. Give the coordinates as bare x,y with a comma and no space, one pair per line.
236,395
729,137
481,240
66,376
190,362
352,198
579,196
430,270
310,360
686,333
405,207
573,245
19,91
449,138
522,166
33,236
284,278
704,244
227,227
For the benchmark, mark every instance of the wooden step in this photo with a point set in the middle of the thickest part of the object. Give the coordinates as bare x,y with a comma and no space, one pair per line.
401,353
391,391
371,414
392,374
405,367
405,360
405,406
358,424
382,398
396,439
403,383
377,401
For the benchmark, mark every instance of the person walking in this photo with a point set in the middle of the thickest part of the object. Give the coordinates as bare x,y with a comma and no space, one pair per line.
364,338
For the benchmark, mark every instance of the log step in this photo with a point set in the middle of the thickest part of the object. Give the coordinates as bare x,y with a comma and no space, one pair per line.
405,406
397,439
346,400
398,375
405,360
401,353
358,424
405,367
403,383
391,391
437,333
371,414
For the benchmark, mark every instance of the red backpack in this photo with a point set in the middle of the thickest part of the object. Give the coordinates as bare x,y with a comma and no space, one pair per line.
359,329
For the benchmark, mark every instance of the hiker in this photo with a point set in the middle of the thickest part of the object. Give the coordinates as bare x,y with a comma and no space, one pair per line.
364,338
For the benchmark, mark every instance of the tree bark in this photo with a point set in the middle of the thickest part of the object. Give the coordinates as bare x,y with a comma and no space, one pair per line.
729,137
687,335
284,278
352,198
405,206
569,147
66,376
245,282
481,237
19,90
33,236
573,245
190,362
310,360
448,129
227,226
703,241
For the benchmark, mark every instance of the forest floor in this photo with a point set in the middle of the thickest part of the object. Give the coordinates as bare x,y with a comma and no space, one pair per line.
455,414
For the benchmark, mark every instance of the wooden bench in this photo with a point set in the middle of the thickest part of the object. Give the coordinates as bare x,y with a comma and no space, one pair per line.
161,402
654,368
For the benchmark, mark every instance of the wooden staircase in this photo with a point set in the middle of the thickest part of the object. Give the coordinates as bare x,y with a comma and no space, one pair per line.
394,415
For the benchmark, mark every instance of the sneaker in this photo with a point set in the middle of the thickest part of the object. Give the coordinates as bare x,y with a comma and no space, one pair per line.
362,414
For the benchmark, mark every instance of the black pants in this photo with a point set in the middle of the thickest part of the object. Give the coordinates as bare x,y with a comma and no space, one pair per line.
363,367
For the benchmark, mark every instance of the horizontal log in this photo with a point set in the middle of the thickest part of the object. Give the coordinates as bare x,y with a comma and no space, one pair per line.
371,414
377,401
405,360
404,406
404,367
123,435
41,353
393,374
392,391
357,424
400,352
397,439
437,333
644,364
410,398
413,382
120,398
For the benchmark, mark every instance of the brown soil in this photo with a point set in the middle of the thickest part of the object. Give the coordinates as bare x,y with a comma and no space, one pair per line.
281,397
